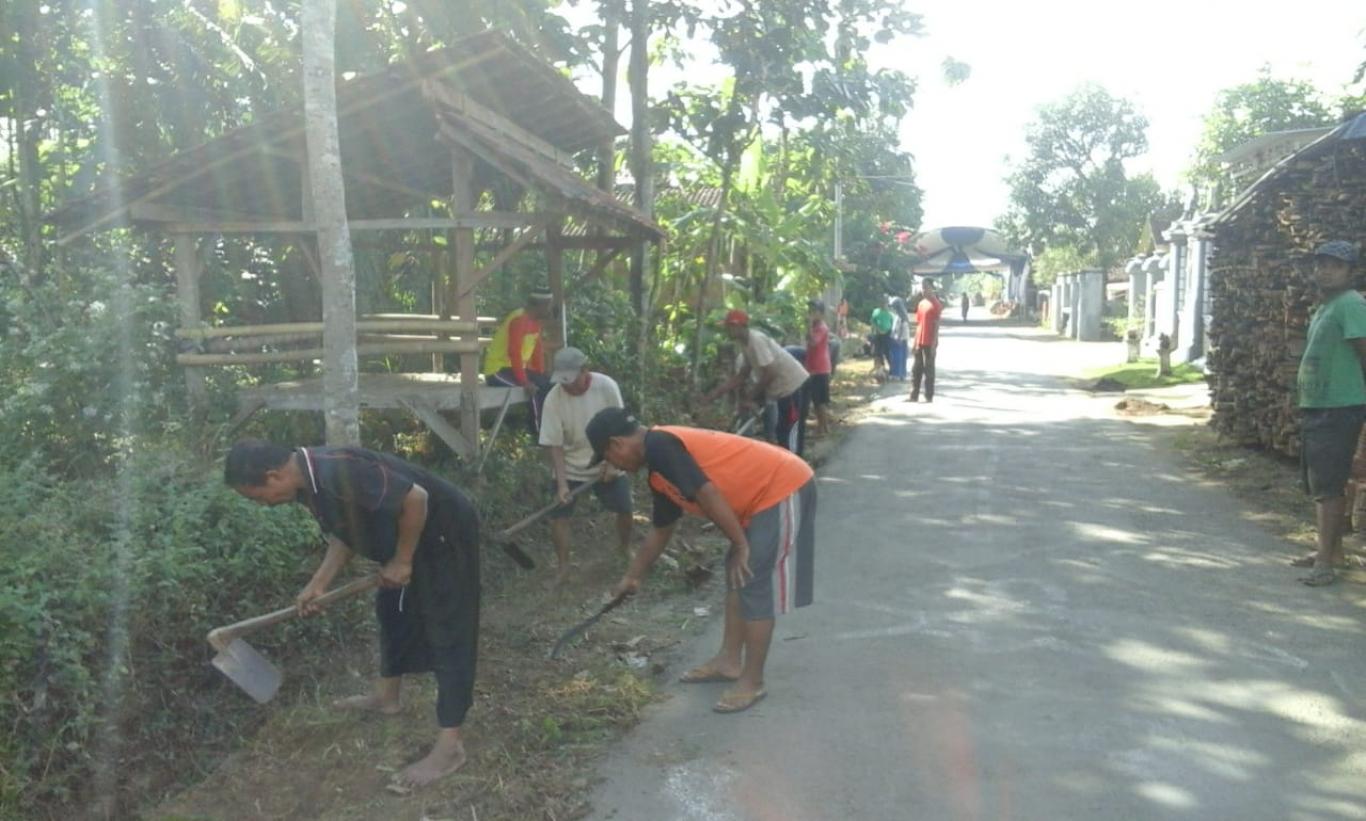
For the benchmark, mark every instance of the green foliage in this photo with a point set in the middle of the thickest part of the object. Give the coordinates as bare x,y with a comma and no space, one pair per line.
1073,189
154,558
1250,110
1060,259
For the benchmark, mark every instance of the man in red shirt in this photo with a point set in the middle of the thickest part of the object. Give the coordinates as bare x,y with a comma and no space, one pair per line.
818,365
926,343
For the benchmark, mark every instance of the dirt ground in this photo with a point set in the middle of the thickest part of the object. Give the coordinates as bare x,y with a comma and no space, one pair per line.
537,725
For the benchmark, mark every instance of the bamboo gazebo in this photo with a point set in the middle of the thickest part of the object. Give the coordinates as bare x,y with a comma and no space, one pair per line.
434,135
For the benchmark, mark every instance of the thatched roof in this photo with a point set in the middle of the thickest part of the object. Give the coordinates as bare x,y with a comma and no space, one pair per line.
397,128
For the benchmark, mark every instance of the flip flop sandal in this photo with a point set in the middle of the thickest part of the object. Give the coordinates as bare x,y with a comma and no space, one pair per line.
736,704
699,675
1321,577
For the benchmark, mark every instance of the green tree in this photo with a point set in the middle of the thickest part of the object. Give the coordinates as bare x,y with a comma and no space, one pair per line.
1250,110
1073,188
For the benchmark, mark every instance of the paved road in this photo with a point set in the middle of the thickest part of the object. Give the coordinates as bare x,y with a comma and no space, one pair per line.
1025,610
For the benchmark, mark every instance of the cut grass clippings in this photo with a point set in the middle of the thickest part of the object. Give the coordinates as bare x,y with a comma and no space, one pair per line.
1142,375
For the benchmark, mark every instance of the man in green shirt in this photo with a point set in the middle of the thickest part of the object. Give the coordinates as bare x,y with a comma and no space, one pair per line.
1332,399
881,320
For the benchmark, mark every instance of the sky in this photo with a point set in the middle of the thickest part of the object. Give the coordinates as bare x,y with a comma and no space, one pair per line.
1168,57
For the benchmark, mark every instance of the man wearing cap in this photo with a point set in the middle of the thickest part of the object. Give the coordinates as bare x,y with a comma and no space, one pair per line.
762,498
576,396
780,379
516,356
1332,400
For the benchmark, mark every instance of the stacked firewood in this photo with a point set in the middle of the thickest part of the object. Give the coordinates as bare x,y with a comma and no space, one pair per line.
1262,289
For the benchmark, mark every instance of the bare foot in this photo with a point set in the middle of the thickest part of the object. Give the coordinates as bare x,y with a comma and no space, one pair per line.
368,704
714,670
444,759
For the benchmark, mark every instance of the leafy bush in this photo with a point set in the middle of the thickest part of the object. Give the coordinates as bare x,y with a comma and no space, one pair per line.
107,589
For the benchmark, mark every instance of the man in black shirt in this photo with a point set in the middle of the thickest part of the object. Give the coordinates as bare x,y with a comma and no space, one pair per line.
425,534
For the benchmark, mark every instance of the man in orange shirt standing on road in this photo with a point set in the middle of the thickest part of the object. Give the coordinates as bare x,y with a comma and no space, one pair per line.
926,344
763,498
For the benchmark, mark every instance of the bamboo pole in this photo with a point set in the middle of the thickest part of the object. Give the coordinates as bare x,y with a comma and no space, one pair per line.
391,325
377,349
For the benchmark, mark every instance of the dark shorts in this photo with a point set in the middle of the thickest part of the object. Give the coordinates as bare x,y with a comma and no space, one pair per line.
615,497
818,388
782,556
1328,444
882,344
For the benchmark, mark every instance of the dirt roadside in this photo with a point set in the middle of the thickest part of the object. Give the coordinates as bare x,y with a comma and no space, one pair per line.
538,725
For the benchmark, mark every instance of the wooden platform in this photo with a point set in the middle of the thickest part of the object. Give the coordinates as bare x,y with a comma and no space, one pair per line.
425,395
380,391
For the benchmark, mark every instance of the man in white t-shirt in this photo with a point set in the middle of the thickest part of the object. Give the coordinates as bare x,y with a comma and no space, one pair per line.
780,378
578,394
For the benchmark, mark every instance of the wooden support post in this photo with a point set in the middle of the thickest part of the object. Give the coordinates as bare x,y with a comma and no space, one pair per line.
464,446
463,304
554,255
187,293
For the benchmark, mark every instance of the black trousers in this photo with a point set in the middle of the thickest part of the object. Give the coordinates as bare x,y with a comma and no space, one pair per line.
432,625
923,369
506,379
791,429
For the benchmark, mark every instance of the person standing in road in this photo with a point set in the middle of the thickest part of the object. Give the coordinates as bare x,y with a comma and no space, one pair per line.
818,364
578,394
927,313
901,339
1332,400
425,535
761,498
965,304
781,379
881,321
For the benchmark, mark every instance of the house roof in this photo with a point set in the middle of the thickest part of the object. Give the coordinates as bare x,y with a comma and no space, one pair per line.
395,132
1293,139
1352,129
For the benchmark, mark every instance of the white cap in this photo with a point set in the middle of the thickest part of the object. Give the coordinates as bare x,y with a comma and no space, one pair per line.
568,364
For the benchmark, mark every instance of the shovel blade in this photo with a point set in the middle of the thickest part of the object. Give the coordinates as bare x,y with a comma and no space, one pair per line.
249,670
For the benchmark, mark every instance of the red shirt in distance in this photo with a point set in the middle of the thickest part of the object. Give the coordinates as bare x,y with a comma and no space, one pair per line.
927,322
818,348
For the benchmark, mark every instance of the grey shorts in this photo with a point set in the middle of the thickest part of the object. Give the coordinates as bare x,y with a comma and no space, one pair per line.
1328,444
614,496
782,556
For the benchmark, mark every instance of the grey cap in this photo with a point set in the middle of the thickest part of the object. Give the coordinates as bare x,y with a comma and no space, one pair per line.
567,365
1338,249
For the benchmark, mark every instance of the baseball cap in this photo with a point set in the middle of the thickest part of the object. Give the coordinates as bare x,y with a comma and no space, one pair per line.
815,305
737,317
1338,249
567,365
605,424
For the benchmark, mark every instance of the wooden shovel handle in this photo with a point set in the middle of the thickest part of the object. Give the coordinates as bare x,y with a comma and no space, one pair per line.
223,636
542,513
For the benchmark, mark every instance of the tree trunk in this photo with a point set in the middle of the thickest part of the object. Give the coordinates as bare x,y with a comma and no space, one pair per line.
713,252
341,401
611,65
642,165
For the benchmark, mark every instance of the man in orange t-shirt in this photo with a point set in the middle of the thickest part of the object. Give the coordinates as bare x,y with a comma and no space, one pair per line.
926,344
763,498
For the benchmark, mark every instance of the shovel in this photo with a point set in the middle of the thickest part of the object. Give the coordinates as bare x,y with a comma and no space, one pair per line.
249,669
516,553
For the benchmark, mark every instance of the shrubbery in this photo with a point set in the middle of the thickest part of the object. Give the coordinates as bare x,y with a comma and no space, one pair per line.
152,558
